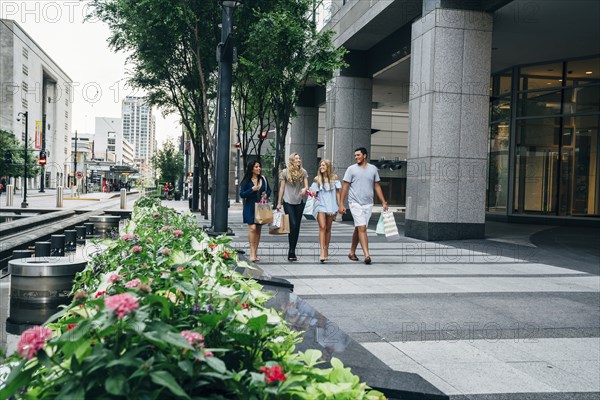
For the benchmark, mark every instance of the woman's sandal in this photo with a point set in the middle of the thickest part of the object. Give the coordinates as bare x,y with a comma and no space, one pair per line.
353,257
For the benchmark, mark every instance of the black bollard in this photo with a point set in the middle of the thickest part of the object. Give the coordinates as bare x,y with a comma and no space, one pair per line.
89,228
42,249
70,240
80,234
18,254
57,245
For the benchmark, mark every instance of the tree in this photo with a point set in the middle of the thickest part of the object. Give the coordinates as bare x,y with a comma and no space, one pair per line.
169,161
8,143
172,52
282,53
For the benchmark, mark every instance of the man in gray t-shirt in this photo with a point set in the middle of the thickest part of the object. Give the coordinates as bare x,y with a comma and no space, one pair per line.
360,180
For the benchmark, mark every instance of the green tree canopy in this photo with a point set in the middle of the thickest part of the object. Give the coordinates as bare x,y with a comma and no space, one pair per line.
8,143
169,161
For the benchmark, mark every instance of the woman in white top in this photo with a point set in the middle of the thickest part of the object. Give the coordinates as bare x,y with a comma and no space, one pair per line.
326,188
292,189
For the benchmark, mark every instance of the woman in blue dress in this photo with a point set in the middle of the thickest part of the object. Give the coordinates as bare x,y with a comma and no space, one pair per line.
326,188
253,188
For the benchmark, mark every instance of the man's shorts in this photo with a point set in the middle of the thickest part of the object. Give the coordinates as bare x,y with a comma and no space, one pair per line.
361,213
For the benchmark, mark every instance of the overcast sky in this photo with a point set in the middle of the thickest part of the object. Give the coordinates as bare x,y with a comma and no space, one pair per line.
81,50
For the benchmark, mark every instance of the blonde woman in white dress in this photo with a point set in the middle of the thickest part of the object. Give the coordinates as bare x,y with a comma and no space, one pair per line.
326,187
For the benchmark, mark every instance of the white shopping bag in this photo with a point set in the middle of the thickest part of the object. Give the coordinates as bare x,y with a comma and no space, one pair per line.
389,226
380,230
277,216
309,208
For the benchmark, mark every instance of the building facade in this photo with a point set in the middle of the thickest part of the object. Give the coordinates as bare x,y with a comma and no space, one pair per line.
139,129
30,81
476,109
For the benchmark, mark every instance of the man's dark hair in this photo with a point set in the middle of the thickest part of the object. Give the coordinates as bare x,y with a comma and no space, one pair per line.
362,150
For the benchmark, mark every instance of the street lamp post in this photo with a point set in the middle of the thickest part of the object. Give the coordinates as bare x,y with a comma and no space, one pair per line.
43,166
25,156
225,51
75,161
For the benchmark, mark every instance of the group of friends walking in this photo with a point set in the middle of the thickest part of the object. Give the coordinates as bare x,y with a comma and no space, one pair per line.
359,184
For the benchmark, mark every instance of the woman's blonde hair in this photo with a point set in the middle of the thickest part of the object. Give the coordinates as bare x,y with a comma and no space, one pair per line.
294,172
328,176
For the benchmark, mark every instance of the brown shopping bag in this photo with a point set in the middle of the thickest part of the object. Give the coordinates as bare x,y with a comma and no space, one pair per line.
263,213
284,226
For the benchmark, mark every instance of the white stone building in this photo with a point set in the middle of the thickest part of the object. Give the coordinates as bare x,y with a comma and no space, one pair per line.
31,82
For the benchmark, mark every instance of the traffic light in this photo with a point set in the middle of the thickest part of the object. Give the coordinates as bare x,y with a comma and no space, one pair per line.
8,157
263,135
238,146
42,160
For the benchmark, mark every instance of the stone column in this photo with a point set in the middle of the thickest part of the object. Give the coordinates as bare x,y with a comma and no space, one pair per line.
347,119
448,125
303,138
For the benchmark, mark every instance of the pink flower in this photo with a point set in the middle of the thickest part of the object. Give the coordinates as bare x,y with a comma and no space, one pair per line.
193,338
149,240
133,283
274,373
136,249
114,278
166,252
167,228
121,304
156,214
208,353
127,236
180,269
178,233
33,340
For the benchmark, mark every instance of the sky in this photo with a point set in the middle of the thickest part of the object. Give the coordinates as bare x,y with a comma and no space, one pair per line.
81,50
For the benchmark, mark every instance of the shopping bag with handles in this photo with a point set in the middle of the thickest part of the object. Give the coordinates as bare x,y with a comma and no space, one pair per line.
380,230
263,213
284,224
389,226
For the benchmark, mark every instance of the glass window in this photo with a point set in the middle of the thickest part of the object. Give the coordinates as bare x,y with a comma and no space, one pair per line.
583,72
498,167
502,84
539,103
500,109
581,187
536,167
541,76
582,99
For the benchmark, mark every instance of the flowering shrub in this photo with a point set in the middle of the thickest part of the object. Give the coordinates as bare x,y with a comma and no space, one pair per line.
161,313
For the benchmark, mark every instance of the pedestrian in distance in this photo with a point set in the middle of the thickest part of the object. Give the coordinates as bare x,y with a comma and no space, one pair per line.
360,180
326,188
292,190
253,188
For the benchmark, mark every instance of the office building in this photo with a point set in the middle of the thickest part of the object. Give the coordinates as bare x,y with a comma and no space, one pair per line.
139,126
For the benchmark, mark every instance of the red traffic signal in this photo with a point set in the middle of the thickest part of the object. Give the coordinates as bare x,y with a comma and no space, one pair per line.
263,135
42,160
238,146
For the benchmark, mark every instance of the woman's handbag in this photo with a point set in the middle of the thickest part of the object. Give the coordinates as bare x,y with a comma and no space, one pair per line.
389,226
284,224
263,213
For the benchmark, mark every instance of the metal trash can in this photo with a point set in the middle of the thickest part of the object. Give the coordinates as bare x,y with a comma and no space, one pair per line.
37,288
105,225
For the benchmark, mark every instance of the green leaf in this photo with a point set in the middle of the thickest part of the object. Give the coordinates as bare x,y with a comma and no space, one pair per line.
185,287
163,378
17,379
217,364
116,385
258,323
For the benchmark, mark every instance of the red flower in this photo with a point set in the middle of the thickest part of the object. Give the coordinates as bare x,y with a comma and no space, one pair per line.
100,293
33,340
226,255
274,373
71,326
212,246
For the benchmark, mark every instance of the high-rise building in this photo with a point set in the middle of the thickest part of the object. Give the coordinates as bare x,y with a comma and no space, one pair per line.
139,127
